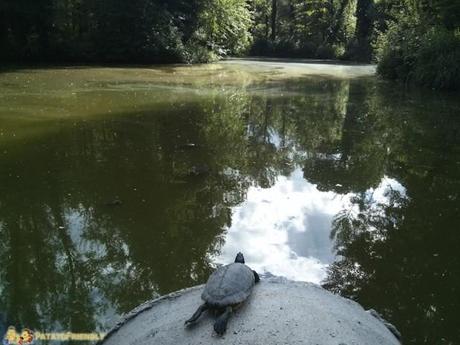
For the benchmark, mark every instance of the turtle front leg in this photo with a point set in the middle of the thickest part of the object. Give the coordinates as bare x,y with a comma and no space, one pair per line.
197,314
221,324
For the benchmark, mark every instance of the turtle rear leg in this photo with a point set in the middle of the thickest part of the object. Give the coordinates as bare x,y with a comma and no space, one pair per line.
197,314
221,324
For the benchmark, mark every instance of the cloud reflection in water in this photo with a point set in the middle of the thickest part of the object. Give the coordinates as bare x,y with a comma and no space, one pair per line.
284,230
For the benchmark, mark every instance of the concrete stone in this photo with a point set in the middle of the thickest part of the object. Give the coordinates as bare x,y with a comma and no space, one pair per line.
278,312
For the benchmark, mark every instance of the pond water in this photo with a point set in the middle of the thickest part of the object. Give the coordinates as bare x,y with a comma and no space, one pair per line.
118,185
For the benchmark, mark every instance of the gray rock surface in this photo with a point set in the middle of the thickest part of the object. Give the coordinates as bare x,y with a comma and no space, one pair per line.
278,312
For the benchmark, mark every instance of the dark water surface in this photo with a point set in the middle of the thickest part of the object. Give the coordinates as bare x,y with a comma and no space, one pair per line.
119,185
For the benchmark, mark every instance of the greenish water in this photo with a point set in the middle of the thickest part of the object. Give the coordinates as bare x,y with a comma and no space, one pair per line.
316,172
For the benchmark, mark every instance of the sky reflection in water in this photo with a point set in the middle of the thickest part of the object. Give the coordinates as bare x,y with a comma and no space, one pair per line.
285,230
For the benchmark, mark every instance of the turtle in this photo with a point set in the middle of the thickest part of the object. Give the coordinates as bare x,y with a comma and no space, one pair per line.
226,289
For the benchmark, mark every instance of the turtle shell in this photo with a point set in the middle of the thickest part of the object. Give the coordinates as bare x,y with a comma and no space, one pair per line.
229,284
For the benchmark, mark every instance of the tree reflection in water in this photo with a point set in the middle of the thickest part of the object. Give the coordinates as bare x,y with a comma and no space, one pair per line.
398,256
71,259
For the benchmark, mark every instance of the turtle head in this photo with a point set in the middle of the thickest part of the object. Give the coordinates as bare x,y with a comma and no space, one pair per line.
239,258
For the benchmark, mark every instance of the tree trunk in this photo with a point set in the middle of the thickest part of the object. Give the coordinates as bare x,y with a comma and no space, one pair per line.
292,19
267,27
363,21
274,15
364,27
3,30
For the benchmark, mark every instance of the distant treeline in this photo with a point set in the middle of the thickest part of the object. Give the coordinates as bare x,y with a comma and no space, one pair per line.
129,31
411,40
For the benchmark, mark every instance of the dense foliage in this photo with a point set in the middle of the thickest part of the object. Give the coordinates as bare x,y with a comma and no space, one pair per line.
122,31
421,42
411,40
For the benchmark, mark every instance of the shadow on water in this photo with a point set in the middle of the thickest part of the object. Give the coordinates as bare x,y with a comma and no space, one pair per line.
100,214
